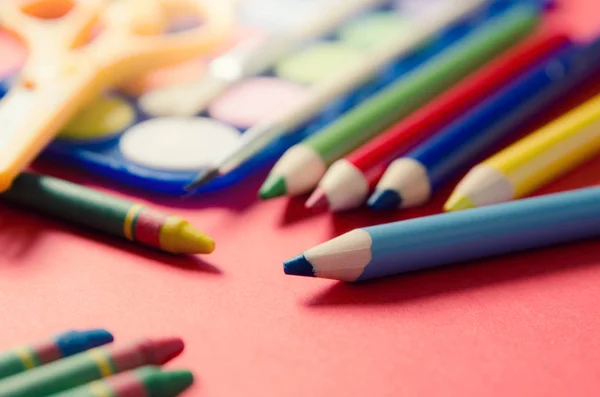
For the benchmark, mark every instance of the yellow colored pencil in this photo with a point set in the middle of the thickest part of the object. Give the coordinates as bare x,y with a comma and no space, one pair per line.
532,162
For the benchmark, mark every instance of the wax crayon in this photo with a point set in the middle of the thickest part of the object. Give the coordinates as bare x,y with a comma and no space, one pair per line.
107,213
23,358
85,367
147,381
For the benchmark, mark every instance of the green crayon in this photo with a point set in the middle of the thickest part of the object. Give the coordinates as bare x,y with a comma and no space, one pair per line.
26,357
147,381
86,367
109,214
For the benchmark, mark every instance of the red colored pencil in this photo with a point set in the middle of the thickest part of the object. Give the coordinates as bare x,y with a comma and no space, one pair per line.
349,180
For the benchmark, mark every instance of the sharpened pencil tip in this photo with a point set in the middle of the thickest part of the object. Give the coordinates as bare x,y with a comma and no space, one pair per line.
458,202
383,200
298,266
274,186
317,200
202,178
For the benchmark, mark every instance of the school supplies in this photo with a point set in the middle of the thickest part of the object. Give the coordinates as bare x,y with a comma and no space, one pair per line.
347,182
261,135
147,381
14,56
411,179
204,140
58,80
450,238
250,57
23,358
533,161
85,367
301,167
255,99
101,120
112,215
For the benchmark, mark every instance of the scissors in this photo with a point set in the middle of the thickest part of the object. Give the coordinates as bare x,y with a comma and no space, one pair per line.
68,66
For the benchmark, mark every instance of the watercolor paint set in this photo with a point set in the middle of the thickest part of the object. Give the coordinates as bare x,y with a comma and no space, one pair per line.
120,137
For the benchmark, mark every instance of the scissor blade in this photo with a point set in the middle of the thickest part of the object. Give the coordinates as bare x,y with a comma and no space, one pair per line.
30,118
15,108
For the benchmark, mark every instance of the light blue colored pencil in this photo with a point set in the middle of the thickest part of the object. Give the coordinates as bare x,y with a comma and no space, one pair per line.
445,239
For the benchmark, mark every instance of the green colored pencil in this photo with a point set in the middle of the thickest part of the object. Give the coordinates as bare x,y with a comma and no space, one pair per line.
301,167
143,382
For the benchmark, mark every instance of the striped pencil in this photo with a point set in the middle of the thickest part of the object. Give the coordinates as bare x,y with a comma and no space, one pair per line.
412,179
147,381
534,161
433,241
347,182
302,166
23,358
88,366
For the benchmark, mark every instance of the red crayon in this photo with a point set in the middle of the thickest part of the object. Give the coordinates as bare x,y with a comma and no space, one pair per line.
348,181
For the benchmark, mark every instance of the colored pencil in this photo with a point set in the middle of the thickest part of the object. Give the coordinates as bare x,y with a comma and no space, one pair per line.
88,366
433,241
411,180
303,165
347,182
251,57
109,214
147,381
534,161
350,77
23,358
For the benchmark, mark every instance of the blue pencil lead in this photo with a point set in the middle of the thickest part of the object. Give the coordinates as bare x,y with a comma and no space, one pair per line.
382,200
298,266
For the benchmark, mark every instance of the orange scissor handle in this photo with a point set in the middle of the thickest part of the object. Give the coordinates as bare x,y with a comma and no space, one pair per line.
134,39
51,26
55,85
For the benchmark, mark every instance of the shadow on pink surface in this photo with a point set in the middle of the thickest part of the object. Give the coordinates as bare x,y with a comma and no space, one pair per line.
18,234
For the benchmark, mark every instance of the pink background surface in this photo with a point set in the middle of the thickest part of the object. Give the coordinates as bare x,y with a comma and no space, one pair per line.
520,325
